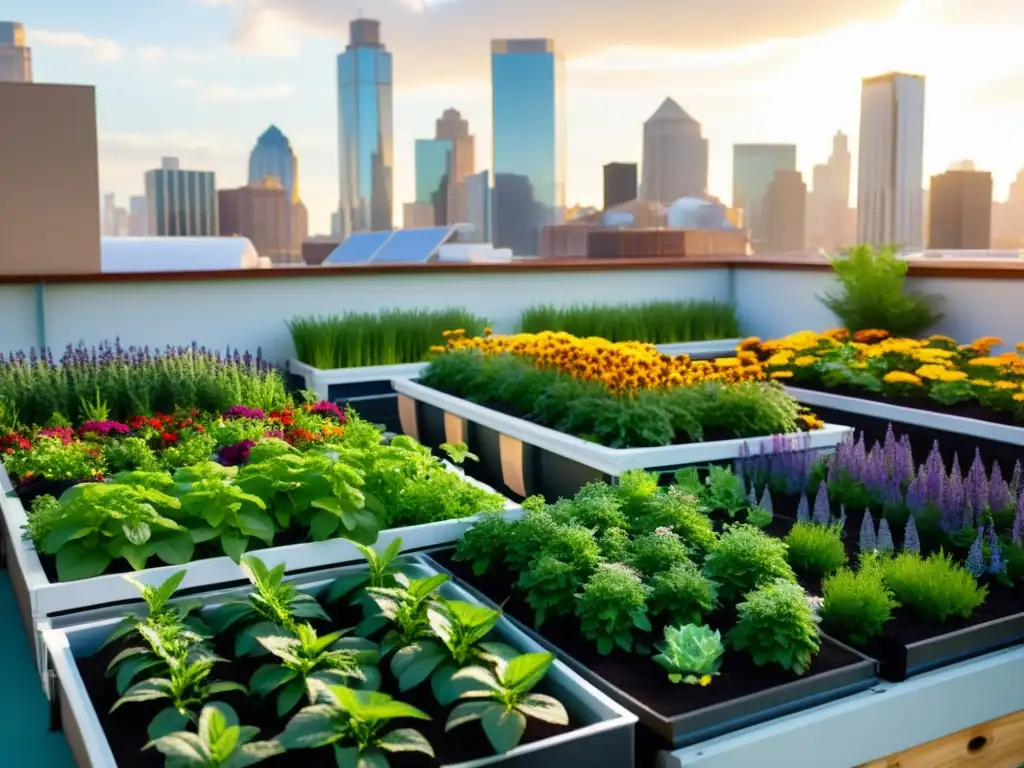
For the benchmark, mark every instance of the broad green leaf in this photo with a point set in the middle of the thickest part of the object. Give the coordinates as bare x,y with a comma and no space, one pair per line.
234,545
55,540
366,528
183,747
256,523
128,671
168,721
328,504
175,549
344,585
543,707
137,533
312,727
323,526
468,682
524,672
269,678
127,653
124,628
222,747
203,533
290,696
225,686
137,554
256,752
373,705
169,586
406,740
147,690
228,614
76,562
641,622
466,712
306,607
414,663
504,729
246,642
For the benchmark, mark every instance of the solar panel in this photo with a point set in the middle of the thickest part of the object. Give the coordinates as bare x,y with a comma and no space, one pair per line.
412,245
358,248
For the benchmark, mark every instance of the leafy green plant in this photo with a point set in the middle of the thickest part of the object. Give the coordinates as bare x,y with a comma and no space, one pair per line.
526,536
219,743
357,725
309,662
857,604
612,606
459,452
595,506
406,607
652,553
483,545
690,654
745,559
816,549
503,700
873,294
679,512
382,570
130,453
549,586
682,594
935,587
777,626
52,459
723,491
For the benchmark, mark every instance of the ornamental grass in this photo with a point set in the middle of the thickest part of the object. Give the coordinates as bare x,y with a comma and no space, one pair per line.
391,337
654,322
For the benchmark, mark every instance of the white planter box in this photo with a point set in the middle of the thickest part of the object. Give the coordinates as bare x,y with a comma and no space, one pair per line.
38,597
985,430
890,718
701,349
603,740
320,380
611,461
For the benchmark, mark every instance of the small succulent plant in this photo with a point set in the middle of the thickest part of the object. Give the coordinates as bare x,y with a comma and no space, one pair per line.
691,654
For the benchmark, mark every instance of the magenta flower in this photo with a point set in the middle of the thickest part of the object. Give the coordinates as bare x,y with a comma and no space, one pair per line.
234,455
104,428
244,412
327,408
278,433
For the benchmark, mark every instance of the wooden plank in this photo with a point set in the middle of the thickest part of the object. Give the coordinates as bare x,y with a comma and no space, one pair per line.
998,743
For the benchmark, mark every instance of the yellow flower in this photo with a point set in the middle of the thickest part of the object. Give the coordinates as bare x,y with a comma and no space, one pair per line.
1019,397
981,382
805,360
436,348
935,372
727,362
987,362
782,374
1006,385
901,377
779,359
705,681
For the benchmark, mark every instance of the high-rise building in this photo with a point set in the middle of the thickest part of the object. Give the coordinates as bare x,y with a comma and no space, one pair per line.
260,212
433,168
675,156
891,161
960,210
273,156
364,131
49,180
138,213
784,213
1008,217
15,55
478,206
829,200
181,203
528,104
108,214
753,170
417,215
619,184
452,127
121,221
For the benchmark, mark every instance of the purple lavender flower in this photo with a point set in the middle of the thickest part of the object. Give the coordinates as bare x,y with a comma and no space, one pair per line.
244,412
892,497
766,502
234,455
822,511
934,478
889,449
1018,522
803,510
915,494
975,562
996,563
976,487
868,542
873,474
883,542
327,408
999,497
904,466
953,505
911,539
1015,480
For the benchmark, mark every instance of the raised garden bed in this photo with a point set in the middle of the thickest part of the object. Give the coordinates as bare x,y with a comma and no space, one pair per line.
39,594
743,695
527,458
599,732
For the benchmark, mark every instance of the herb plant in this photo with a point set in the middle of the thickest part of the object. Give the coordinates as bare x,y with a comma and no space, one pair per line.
745,559
682,594
935,587
723,491
690,654
406,607
503,701
777,626
219,743
656,552
612,606
815,549
483,545
549,586
857,604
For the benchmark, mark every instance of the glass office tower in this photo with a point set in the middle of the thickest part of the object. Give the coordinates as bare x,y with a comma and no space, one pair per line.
364,131
433,161
528,95
753,169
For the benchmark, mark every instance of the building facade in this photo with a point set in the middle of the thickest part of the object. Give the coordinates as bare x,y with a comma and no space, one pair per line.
138,213
433,169
675,161
273,156
15,55
528,104
478,206
753,169
828,202
620,184
890,169
260,212
365,158
785,214
452,127
959,210
181,203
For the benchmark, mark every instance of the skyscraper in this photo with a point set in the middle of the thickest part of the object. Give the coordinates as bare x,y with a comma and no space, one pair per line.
181,203
829,201
753,170
137,216
273,156
15,55
528,103
478,206
364,131
452,127
784,211
675,156
433,168
960,210
260,212
891,161
619,184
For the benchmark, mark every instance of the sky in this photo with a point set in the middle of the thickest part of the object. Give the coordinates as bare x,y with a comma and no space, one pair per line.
201,79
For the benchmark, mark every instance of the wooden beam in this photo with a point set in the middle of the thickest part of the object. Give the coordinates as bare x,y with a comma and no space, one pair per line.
998,743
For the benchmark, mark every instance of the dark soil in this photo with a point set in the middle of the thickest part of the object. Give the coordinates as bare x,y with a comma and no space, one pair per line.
642,678
125,728
29,490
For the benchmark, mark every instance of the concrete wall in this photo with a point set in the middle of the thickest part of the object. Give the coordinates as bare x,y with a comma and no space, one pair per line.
17,317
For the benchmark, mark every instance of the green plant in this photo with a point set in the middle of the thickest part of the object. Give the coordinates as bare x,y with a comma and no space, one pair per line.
525,537
690,654
816,549
935,587
503,700
219,743
857,605
459,452
382,570
873,294
549,586
723,491
682,594
483,545
356,724
406,607
595,506
52,459
679,512
651,553
745,559
777,626
310,662
131,453
612,606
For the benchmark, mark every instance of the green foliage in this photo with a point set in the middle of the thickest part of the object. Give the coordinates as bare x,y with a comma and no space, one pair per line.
131,453
651,553
595,506
935,587
220,742
777,626
406,607
51,459
459,452
503,700
358,726
857,605
745,559
549,585
723,491
816,549
681,514
655,322
612,607
526,537
873,294
483,545
682,594
388,337
690,654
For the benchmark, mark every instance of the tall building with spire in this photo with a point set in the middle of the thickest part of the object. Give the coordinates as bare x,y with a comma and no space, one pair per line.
15,55
273,156
675,162
828,204
365,159
442,165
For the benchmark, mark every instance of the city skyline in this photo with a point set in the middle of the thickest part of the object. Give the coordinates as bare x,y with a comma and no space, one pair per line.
203,85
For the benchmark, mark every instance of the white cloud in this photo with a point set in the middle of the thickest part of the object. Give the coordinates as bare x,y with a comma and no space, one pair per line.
153,54
225,93
98,47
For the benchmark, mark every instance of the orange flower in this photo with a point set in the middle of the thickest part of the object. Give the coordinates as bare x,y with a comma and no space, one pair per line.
870,336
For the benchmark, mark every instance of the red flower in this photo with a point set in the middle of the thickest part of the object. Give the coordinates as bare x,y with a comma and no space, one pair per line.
155,423
167,437
199,428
